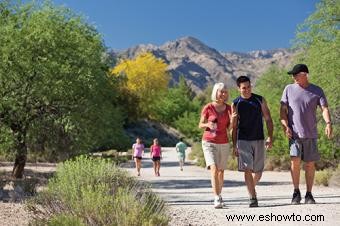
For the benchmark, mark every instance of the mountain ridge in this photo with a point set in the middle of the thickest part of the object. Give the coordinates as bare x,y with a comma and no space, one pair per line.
202,65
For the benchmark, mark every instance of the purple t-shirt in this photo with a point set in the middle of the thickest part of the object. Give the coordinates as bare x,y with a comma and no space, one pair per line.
302,104
138,149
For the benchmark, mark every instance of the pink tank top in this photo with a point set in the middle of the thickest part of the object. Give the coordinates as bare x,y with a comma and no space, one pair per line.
155,150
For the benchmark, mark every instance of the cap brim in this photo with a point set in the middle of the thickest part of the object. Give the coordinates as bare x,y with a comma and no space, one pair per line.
290,72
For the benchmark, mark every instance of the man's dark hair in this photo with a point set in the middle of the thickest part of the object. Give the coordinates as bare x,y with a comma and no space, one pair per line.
242,79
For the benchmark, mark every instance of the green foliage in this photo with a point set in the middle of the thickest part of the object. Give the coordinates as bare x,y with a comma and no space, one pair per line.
197,154
172,103
322,177
54,90
97,193
319,39
232,163
188,125
271,85
61,220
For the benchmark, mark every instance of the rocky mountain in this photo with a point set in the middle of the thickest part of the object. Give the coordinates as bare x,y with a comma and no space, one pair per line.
202,65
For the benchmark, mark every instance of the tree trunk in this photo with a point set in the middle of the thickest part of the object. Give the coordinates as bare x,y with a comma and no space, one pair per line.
21,156
19,165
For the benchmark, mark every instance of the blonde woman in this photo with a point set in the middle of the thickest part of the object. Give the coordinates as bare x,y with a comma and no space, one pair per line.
215,120
156,155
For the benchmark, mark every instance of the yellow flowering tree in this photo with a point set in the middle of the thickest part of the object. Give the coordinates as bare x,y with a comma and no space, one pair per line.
145,77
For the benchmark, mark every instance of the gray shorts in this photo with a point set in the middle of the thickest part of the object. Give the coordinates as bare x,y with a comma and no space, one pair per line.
251,154
216,154
304,148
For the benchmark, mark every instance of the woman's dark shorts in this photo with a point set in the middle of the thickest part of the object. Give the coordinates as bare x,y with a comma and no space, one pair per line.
156,159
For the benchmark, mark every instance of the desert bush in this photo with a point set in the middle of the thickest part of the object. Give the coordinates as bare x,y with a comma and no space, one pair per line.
98,193
232,163
277,163
197,154
322,177
60,220
335,178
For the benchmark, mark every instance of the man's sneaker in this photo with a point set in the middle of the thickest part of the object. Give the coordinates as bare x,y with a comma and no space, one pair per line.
309,198
217,203
296,197
253,202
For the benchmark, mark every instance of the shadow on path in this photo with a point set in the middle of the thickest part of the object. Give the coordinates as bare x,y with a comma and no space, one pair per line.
202,183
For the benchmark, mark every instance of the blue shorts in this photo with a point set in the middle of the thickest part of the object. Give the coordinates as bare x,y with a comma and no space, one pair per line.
304,148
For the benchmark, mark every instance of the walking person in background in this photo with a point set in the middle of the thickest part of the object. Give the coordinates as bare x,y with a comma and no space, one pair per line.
138,151
156,155
180,148
248,111
299,102
215,120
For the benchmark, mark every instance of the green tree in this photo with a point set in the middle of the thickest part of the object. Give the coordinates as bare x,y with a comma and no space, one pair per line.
270,85
53,82
172,103
319,39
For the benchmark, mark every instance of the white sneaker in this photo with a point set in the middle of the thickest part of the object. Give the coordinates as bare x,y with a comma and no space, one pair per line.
217,203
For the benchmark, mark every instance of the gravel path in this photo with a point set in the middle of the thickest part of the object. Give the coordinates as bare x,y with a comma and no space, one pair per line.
189,197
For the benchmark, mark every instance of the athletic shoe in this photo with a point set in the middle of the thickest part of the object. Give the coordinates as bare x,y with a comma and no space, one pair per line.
221,200
217,203
309,198
253,202
296,197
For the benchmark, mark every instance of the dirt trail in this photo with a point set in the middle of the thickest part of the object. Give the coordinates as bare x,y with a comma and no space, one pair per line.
188,194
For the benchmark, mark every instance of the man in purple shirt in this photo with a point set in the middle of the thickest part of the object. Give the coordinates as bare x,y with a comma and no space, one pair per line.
298,116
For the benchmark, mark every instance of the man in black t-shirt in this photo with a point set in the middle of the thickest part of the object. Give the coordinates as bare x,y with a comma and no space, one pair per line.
248,111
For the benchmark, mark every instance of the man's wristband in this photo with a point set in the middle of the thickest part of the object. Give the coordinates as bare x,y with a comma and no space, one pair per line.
329,123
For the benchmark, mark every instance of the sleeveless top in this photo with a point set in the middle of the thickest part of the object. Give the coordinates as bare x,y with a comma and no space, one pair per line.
250,123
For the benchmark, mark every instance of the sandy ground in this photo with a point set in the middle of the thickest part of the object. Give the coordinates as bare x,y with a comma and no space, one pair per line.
189,197
14,213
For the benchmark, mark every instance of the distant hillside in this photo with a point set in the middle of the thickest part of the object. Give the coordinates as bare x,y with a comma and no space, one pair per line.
202,65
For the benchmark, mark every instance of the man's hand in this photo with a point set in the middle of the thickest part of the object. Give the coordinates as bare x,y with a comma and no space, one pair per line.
269,143
329,130
288,132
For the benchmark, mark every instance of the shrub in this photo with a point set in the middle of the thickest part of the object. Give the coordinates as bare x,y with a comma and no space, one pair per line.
197,154
322,177
335,178
232,163
98,193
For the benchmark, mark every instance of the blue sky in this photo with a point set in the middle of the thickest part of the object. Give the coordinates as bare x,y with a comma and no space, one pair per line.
226,25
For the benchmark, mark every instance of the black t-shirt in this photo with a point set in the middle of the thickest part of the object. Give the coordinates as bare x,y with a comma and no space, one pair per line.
250,123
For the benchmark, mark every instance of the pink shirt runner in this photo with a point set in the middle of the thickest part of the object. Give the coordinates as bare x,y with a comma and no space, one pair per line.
155,150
